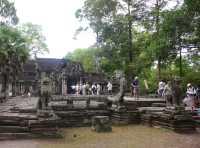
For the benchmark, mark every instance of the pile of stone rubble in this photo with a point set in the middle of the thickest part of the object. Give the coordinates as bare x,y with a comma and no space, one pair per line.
101,124
14,125
78,112
125,113
19,118
174,118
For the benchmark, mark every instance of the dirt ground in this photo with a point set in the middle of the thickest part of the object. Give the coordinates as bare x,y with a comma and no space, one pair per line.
133,136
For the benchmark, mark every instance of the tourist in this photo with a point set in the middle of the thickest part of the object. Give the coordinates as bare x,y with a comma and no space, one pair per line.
135,87
29,94
80,89
77,89
109,86
10,94
161,86
87,87
94,89
167,93
191,93
73,89
84,89
98,89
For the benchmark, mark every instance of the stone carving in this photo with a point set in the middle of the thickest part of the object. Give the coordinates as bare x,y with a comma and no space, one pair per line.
45,92
101,124
118,98
176,92
172,93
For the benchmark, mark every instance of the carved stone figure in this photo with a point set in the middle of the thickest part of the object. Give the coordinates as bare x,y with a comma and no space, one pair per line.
172,93
119,97
45,92
167,93
176,92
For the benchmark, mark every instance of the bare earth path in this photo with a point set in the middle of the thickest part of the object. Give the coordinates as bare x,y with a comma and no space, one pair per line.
133,136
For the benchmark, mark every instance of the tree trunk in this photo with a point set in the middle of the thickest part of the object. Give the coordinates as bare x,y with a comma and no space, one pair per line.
159,68
14,87
4,89
180,62
130,33
157,36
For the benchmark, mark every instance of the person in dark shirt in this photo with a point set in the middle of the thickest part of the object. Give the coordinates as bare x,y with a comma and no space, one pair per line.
135,87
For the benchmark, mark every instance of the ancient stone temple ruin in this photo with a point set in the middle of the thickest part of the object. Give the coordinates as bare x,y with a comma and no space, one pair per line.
55,107
62,73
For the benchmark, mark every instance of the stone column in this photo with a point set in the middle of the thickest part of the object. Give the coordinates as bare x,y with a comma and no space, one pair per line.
64,86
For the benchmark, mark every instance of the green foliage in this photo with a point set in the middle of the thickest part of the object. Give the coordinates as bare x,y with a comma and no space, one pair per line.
170,37
8,12
34,38
85,56
13,53
13,49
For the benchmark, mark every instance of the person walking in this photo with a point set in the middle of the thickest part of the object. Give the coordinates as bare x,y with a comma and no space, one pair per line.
94,89
161,86
77,88
135,87
191,93
84,89
109,86
98,89
167,93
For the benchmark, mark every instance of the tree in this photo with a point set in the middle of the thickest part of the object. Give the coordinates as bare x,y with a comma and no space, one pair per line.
8,13
155,17
85,56
97,12
162,37
13,53
34,38
102,13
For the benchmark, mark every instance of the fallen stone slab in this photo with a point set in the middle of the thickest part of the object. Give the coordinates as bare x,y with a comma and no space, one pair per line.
101,124
13,136
13,129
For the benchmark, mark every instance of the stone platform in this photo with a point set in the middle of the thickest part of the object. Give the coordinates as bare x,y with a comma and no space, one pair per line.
18,117
144,101
20,104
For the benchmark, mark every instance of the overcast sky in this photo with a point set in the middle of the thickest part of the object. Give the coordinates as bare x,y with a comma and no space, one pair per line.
58,23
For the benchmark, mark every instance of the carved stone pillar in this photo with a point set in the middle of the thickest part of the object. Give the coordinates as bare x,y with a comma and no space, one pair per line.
64,86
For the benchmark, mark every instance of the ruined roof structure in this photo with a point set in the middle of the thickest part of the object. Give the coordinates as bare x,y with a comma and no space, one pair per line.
95,78
48,64
60,71
29,71
70,68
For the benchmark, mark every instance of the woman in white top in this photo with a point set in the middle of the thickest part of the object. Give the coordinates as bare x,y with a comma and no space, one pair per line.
98,89
190,99
167,93
109,86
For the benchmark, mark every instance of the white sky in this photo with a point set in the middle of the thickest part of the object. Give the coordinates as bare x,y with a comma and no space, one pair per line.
57,18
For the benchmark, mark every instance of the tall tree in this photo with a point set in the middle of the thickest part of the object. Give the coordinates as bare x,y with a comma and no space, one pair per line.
13,53
97,12
102,13
85,56
34,38
156,9
134,11
8,13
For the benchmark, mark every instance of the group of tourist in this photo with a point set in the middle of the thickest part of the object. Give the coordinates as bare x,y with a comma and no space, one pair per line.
192,98
93,89
192,94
